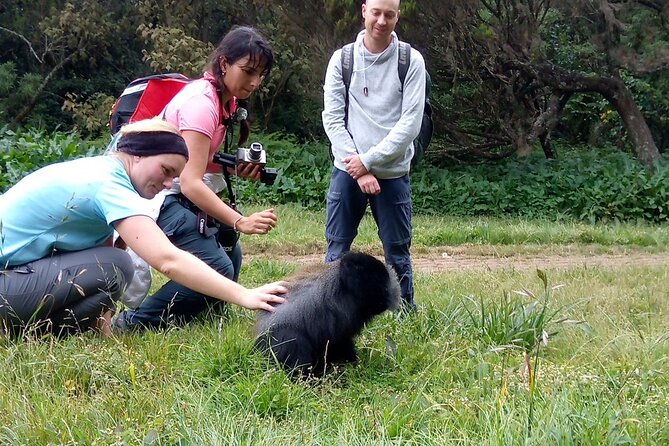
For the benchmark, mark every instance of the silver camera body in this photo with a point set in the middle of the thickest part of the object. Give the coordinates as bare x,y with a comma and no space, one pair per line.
254,154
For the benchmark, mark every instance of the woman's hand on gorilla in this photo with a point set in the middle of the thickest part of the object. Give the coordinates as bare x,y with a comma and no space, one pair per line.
265,297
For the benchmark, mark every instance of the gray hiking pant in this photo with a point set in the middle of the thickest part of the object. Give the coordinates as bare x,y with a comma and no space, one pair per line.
64,293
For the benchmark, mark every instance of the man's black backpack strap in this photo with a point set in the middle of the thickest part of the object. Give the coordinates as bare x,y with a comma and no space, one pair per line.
346,73
403,61
427,125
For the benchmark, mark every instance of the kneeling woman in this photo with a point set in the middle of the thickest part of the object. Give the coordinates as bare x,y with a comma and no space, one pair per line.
58,270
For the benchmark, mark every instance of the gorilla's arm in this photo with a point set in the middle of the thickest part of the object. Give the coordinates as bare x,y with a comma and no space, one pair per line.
342,351
290,347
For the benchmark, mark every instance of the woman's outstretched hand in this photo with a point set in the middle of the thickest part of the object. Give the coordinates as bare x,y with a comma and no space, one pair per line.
265,297
259,223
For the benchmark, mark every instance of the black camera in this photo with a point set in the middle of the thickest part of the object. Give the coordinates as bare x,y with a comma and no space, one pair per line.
254,154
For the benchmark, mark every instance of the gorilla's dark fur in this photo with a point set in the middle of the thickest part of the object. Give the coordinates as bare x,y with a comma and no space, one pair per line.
325,310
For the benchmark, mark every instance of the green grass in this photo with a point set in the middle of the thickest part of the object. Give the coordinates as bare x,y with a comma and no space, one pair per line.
430,378
301,232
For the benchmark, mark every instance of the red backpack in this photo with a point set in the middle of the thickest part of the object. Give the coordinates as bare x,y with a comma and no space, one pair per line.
145,98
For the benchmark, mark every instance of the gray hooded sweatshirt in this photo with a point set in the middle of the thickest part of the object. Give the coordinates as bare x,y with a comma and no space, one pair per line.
382,124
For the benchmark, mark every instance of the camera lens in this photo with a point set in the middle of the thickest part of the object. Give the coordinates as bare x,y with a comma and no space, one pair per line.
255,152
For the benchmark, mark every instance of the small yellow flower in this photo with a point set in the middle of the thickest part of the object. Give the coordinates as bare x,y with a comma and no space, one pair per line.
70,386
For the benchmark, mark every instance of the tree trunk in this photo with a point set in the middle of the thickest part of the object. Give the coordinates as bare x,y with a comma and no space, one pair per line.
546,146
281,85
635,123
546,122
613,89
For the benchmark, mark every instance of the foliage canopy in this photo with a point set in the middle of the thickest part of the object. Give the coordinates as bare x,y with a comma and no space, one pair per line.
509,75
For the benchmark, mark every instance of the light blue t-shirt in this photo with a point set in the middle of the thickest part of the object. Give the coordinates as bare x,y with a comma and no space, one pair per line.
67,206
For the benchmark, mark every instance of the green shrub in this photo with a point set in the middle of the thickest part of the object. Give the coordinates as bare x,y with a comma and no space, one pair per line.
24,151
583,185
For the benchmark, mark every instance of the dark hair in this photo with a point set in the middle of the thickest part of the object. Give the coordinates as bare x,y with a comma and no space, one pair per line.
240,42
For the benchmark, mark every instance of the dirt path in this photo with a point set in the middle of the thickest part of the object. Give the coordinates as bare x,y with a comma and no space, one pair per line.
453,258
434,263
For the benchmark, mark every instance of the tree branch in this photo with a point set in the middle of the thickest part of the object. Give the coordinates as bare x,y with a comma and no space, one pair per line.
20,36
31,104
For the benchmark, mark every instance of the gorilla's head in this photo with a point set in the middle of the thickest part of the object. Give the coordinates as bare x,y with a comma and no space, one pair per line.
374,285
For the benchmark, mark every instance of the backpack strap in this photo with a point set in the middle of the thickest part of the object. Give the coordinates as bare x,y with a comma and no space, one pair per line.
231,192
403,61
346,73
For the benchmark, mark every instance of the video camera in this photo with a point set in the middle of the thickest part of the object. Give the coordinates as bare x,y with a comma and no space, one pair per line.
255,154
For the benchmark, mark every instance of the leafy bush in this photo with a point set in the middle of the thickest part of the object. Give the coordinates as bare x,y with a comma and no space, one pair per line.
24,151
584,185
90,115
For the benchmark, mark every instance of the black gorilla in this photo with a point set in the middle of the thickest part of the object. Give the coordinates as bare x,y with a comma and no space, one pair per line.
325,310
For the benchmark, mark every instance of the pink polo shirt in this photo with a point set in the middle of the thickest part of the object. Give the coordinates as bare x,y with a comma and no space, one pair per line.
197,107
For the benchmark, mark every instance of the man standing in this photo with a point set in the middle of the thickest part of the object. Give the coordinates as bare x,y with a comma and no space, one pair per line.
371,133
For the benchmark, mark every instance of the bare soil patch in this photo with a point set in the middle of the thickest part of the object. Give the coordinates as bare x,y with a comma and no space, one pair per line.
474,258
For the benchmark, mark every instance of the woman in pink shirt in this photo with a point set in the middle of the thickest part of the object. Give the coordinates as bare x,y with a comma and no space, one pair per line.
200,111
